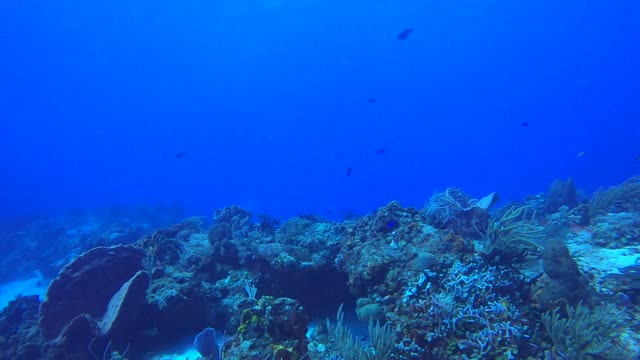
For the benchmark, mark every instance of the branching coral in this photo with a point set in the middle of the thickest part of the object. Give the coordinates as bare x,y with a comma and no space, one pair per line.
587,333
468,304
514,237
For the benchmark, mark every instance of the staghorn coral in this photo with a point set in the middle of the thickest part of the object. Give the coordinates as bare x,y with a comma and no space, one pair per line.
468,310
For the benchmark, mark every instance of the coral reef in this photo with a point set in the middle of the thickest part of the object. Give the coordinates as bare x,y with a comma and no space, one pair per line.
87,285
563,282
453,281
19,335
513,237
561,193
454,208
207,344
587,333
270,328
344,345
616,199
46,239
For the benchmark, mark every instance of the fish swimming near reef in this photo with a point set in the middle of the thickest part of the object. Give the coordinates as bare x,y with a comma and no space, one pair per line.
181,154
371,100
349,171
403,35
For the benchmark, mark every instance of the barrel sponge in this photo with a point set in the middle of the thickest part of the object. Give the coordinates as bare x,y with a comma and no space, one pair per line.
87,285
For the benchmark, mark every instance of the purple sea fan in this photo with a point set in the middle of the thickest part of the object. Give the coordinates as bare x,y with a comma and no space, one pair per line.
207,345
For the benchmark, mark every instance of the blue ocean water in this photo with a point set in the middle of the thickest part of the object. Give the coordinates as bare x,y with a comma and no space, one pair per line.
268,102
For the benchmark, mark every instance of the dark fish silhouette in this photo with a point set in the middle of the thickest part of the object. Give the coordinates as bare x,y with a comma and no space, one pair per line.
349,170
381,151
403,35
371,100
181,154
524,124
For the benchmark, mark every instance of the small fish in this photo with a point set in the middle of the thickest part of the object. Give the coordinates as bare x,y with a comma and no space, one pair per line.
371,100
181,154
403,35
637,158
391,224
349,171
581,154
381,151
524,124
